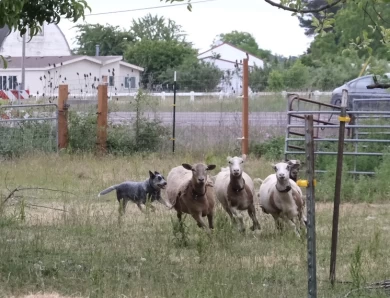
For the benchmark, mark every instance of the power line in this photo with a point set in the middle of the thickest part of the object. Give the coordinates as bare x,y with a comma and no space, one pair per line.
146,8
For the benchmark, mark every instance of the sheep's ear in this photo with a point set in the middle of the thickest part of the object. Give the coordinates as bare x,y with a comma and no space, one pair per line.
187,166
151,175
228,158
244,156
211,167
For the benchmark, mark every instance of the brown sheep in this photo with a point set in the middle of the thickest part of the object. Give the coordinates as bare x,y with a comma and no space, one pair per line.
189,190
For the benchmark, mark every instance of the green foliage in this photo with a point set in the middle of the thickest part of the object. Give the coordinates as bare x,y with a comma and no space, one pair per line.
140,135
25,137
275,80
26,14
156,56
258,78
157,28
272,149
111,39
194,75
244,41
297,76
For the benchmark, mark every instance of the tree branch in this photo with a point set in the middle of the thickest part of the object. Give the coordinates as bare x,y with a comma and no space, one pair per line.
322,8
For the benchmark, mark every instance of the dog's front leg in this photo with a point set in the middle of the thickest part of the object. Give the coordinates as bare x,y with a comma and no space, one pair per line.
142,207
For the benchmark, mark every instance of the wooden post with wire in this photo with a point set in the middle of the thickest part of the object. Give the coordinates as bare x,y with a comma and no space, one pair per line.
102,119
245,108
343,118
62,124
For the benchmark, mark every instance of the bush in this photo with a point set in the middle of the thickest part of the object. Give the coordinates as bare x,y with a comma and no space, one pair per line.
272,149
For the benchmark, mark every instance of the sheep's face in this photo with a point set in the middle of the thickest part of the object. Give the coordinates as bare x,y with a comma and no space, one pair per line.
282,170
236,164
199,171
295,165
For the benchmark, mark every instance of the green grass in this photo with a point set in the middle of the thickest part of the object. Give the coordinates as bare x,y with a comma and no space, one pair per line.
89,252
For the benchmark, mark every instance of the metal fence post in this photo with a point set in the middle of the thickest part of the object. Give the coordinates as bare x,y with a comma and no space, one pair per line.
245,107
339,171
174,113
311,223
62,122
102,119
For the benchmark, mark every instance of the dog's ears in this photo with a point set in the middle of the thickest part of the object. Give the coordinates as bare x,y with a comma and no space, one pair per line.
151,175
156,173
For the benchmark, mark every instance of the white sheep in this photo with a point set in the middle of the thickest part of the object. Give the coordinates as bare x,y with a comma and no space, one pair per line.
281,197
235,191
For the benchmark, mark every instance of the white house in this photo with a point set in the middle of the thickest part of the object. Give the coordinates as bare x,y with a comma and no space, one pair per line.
49,42
82,74
229,58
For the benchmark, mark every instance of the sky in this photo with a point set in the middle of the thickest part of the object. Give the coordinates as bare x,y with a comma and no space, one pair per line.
274,29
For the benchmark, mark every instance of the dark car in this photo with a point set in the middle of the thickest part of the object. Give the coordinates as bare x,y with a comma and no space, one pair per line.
357,89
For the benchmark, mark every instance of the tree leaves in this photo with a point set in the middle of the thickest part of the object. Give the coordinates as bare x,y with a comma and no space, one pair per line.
30,15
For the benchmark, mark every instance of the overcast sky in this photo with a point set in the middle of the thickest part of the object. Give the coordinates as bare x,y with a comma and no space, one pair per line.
274,29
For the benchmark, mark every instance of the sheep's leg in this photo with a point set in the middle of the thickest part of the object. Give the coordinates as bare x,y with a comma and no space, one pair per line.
278,223
238,216
252,214
199,221
292,224
210,218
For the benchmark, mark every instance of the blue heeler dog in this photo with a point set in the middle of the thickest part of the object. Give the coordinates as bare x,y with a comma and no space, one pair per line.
139,192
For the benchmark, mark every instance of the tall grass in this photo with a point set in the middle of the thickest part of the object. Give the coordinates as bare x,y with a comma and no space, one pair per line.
88,251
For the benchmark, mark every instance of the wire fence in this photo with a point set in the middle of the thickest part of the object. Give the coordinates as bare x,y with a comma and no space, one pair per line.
208,116
28,128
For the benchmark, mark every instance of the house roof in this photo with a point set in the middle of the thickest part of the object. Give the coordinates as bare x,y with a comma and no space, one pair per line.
3,34
232,47
49,62
220,59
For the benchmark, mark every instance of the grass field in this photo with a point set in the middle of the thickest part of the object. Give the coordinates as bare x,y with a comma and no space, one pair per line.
88,251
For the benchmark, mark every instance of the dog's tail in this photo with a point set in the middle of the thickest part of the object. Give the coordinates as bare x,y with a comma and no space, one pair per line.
107,190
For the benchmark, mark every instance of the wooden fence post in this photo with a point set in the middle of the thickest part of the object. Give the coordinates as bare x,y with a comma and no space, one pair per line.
102,119
62,139
245,108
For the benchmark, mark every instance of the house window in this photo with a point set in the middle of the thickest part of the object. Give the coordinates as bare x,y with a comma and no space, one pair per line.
129,82
111,81
3,82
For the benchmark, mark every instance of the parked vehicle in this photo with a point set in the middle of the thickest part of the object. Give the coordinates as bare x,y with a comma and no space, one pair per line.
357,88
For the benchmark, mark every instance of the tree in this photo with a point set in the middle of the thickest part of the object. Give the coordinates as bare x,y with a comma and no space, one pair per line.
322,25
244,41
258,78
111,39
275,80
157,28
296,77
306,21
23,14
156,56
194,75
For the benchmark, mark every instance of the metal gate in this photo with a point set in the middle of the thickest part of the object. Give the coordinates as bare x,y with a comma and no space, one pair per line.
28,128
368,132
